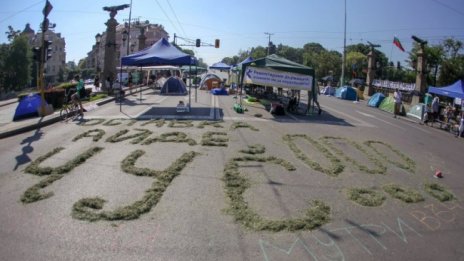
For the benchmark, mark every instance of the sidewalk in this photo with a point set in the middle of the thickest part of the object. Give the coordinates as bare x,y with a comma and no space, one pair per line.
8,127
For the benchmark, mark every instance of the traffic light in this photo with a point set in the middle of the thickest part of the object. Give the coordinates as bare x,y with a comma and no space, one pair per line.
36,54
48,50
198,43
216,43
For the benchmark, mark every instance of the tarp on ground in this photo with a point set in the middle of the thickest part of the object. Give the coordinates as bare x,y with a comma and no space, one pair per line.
455,90
376,99
388,104
219,91
160,53
28,107
328,90
174,86
417,111
208,79
346,93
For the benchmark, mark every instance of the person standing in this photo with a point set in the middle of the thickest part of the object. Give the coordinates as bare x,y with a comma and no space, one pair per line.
461,126
435,108
398,100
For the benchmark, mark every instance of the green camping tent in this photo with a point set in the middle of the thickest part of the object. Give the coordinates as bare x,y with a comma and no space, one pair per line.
388,104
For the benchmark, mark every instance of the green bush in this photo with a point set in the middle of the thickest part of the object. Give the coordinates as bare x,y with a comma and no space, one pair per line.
55,97
66,85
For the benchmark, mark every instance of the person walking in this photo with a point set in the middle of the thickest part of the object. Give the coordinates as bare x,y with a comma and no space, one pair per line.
398,100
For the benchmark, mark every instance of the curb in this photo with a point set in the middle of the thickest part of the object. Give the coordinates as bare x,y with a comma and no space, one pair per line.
50,120
29,127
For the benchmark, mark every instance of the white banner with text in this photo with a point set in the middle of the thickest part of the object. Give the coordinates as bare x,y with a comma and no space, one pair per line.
269,77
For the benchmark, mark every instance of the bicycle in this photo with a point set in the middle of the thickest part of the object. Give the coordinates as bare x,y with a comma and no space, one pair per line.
70,108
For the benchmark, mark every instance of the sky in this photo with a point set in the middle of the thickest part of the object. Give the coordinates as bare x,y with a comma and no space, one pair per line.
242,24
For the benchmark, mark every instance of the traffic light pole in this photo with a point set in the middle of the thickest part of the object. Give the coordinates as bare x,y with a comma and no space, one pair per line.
41,68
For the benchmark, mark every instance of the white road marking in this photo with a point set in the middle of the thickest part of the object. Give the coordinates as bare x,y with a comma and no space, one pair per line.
362,123
377,118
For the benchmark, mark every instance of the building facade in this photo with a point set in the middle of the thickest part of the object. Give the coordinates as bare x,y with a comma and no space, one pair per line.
153,32
56,65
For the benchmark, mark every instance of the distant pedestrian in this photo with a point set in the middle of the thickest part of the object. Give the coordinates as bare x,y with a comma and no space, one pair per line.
96,82
398,101
435,108
461,126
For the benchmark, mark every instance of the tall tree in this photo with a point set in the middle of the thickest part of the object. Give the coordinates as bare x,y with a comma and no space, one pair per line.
17,66
11,34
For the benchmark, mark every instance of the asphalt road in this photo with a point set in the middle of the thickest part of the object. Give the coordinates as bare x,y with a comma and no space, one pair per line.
190,222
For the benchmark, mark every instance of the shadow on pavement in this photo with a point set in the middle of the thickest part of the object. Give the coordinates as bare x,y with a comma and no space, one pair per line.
27,148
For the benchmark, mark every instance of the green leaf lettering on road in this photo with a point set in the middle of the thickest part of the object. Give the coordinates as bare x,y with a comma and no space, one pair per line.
175,136
236,185
439,192
95,134
404,194
254,149
91,122
336,166
381,169
180,124
214,138
33,194
240,124
410,165
158,122
136,138
215,124
85,209
366,197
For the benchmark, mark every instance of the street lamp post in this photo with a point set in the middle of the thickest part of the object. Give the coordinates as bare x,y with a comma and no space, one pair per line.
98,38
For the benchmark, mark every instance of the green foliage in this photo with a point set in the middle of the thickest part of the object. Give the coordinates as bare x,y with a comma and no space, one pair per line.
98,97
95,134
33,193
67,85
215,124
336,166
84,209
366,197
136,137
439,192
15,64
254,149
240,124
236,185
175,136
403,194
214,138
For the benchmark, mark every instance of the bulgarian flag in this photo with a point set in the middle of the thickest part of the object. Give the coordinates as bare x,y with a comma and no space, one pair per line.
397,42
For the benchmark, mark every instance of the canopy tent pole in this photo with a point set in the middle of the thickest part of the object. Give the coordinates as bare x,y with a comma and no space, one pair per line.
141,76
190,90
196,72
120,87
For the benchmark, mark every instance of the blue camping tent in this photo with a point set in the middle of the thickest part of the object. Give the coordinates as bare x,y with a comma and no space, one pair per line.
173,86
160,53
219,91
27,107
346,93
376,100
455,90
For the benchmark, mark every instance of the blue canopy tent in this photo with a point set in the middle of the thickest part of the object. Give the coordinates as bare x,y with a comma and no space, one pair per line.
220,66
160,53
455,90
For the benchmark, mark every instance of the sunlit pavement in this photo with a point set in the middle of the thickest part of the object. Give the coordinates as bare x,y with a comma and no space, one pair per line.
190,222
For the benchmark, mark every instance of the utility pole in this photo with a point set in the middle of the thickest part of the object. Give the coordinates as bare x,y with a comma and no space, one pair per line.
129,29
269,42
342,79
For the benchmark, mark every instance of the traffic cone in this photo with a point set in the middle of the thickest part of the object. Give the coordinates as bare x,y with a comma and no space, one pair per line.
438,174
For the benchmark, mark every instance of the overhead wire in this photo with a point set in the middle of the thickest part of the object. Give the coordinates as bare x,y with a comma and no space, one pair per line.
169,19
20,11
177,19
